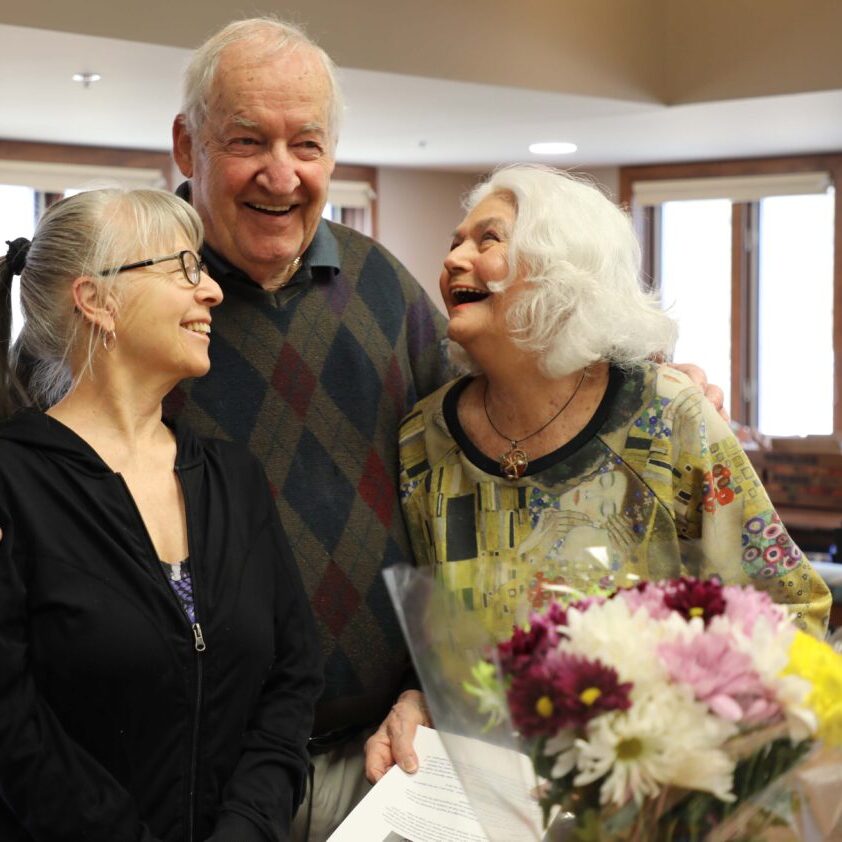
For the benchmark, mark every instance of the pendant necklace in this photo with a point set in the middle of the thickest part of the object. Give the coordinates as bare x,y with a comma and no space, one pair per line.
514,461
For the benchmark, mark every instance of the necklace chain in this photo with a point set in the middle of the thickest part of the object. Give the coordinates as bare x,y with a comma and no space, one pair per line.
514,461
291,269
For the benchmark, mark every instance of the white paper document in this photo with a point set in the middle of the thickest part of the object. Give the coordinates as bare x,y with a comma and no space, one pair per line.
431,805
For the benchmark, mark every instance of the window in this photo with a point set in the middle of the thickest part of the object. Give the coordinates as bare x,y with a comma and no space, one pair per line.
349,202
34,175
20,208
743,254
352,198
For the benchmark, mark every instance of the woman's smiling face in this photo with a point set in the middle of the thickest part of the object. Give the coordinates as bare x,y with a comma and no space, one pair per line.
479,256
163,323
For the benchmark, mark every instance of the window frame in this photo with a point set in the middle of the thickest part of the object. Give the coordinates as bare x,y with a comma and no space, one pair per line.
359,172
744,263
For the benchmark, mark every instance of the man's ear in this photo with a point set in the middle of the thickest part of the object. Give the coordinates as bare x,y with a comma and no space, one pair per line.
182,146
88,301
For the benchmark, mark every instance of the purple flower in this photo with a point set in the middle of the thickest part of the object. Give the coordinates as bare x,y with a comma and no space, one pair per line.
544,632
695,598
525,647
564,691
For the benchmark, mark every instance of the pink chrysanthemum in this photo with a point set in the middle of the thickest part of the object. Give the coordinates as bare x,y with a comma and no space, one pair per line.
721,676
647,595
695,598
744,606
564,691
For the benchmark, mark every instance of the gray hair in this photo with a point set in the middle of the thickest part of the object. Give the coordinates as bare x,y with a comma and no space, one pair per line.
584,302
85,236
270,36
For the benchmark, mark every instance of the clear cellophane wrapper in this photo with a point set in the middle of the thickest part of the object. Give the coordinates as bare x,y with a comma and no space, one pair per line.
803,802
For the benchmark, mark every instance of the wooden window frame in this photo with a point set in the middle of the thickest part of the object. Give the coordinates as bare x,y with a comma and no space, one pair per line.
103,156
744,268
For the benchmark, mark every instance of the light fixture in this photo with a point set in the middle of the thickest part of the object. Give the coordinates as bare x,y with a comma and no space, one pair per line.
86,78
553,148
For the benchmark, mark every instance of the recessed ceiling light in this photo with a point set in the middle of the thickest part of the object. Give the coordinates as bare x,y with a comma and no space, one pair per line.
552,148
86,78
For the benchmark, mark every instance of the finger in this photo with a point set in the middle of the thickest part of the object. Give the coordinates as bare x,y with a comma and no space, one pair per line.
716,396
378,757
402,735
696,374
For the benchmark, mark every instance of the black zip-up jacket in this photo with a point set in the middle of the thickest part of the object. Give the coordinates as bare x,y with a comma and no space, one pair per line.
118,721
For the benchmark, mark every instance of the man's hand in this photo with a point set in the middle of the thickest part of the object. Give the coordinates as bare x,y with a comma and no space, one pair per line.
710,390
392,742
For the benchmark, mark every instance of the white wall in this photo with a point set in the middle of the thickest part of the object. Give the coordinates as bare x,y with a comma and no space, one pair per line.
417,211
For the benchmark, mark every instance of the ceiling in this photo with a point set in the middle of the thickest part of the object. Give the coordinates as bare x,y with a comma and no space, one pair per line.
616,116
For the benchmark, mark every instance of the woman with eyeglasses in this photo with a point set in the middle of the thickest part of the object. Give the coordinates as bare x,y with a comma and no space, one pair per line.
158,659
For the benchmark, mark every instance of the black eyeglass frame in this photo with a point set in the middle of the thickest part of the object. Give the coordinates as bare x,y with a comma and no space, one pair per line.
180,256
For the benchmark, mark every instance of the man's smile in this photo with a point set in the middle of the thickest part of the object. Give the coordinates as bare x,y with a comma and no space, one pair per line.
271,210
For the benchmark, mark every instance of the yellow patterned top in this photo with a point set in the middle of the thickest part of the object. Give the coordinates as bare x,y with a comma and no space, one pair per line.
656,486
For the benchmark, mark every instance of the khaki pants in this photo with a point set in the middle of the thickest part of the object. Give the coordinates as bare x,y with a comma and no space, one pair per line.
340,783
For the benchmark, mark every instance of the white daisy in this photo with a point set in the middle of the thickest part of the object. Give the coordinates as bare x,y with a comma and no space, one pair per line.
665,738
625,641
563,747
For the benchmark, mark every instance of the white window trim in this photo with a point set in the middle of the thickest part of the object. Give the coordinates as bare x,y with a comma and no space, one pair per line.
350,194
57,178
744,188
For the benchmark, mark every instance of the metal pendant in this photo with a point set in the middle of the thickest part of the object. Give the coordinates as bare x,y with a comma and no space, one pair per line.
513,462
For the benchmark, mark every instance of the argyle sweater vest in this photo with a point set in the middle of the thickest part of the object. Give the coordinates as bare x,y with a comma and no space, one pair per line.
315,380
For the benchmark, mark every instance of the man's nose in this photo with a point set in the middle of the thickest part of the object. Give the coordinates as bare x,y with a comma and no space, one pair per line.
279,175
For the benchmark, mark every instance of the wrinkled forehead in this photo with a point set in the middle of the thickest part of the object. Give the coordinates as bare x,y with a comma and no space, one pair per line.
497,206
252,74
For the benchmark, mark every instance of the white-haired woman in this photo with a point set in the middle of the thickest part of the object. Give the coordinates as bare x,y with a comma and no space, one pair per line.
565,455
158,660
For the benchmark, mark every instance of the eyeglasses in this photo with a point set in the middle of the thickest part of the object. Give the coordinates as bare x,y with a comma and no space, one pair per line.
191,266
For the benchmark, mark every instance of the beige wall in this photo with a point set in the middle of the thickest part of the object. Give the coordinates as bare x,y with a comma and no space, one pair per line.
608,178
669,51
729,49
417,211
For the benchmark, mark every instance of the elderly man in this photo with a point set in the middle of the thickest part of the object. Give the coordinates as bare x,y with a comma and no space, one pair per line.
322,344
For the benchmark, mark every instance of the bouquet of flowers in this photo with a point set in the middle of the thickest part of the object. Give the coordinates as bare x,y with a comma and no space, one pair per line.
675,710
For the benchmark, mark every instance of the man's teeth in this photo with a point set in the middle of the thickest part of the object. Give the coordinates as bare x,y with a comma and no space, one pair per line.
466,295
198,327
271,208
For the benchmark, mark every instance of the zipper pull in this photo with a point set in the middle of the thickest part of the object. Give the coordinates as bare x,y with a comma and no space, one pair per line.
198,640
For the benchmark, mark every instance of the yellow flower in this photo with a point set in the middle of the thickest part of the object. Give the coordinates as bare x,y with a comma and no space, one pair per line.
816,662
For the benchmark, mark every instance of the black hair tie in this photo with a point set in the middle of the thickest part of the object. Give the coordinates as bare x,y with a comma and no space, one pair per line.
16,255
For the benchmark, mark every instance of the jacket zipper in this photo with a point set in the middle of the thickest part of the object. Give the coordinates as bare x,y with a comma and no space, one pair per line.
199,645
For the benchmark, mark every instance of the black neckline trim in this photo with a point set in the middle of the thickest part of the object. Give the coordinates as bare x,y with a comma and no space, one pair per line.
616,379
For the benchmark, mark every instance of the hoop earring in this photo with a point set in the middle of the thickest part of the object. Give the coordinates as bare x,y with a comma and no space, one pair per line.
109,340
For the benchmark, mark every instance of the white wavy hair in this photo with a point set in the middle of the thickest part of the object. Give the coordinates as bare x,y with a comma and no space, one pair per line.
584,302
268,36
